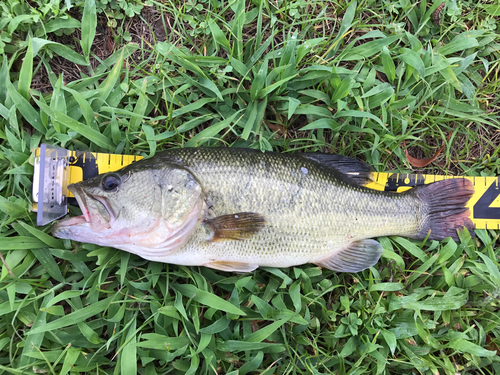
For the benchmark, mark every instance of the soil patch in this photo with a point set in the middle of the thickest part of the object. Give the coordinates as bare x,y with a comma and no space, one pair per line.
145,30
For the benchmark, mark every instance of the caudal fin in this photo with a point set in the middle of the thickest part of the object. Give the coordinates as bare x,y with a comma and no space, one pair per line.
444,208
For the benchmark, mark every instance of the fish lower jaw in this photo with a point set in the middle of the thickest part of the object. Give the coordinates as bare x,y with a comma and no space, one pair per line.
75,220
65,229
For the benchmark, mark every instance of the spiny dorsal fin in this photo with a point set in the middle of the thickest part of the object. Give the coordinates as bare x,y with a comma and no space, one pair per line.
357,257
355,171
238,226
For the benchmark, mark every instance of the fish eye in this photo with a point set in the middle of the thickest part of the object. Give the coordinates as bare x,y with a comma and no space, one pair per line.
110,182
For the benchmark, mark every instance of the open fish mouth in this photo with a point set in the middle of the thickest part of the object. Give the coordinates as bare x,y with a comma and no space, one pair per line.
96,215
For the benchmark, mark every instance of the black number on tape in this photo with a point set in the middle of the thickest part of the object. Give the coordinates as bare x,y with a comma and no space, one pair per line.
482,209
394,181
87,162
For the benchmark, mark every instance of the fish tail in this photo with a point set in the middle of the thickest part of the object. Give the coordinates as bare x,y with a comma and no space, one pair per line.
444,210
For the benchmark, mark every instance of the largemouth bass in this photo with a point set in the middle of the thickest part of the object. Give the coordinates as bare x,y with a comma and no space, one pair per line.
238,209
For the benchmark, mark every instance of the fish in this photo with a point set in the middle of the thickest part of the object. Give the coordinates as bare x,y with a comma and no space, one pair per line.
236,210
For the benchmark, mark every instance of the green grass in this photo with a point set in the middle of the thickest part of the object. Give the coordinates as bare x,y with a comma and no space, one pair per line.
353,78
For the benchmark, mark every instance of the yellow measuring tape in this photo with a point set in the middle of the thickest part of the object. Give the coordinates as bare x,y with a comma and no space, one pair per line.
484,204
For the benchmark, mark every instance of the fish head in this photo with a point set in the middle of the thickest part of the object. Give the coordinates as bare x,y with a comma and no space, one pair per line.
138,209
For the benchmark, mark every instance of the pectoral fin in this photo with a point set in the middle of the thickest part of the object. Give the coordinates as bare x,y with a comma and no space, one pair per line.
238,267
238,226
359,256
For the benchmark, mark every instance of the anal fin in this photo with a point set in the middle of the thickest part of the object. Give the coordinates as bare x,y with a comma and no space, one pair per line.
238,226
357,257
238,267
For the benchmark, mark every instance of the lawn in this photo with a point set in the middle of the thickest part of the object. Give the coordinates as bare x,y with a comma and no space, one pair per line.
367,79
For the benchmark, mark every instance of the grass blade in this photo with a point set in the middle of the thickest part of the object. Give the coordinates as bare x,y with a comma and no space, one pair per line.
26,73
33,342
465,346
4,80
413,59
234,346
211,131
47,261
109,83
21,243
259,80
87,132
79,315
58,103
388,63
264,333
238,7
360,115
219,36
251,118
87,111
69,360
207,299
344,26
460,43
26,109
89,25
192,107
42,236
128,355
140,108
13,209
453,300
369,49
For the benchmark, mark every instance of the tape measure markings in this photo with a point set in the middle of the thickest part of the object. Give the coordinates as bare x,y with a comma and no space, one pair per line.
485,213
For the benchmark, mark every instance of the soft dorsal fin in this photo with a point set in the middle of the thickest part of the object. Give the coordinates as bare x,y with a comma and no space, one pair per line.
237,226
355,171
357,257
